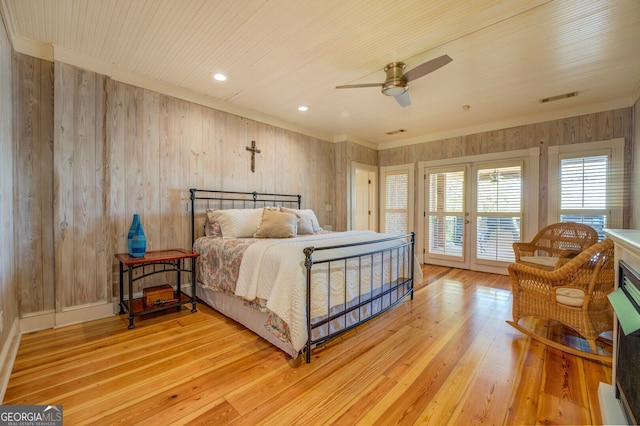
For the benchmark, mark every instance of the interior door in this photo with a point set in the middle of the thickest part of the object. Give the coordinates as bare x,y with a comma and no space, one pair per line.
363,206
364,198
446,216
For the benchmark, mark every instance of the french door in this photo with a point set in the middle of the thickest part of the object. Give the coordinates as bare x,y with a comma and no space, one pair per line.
498,211
473,214
447,216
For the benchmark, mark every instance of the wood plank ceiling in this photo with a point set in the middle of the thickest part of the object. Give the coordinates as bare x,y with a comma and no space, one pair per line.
279,54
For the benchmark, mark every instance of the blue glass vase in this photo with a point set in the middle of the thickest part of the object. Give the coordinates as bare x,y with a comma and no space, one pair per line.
136,241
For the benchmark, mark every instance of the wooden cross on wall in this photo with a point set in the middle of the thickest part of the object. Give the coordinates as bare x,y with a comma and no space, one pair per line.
254,151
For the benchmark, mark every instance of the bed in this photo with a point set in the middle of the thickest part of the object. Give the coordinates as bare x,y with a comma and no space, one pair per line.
266,263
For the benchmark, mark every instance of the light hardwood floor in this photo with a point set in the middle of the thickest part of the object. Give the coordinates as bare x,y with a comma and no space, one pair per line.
447,357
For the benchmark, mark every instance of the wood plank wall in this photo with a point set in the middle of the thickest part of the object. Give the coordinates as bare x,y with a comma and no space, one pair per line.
9,309
81,229
586,128
160,146
34,201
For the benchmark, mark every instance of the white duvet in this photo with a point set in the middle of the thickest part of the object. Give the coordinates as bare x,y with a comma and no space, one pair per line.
273,269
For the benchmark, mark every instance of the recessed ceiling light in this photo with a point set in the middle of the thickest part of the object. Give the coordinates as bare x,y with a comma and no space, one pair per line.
219,77
303,108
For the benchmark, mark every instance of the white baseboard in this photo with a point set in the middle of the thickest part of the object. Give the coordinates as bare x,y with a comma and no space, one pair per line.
70,316
8,356
37,321
84,313
610,408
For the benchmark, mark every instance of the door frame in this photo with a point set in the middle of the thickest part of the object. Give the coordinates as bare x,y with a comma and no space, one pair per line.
373,199
530,196
446,260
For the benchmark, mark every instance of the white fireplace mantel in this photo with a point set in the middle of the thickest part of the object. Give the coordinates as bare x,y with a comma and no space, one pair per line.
627,248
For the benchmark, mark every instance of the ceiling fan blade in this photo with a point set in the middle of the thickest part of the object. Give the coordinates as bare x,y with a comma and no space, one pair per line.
403,99
427,67
353,86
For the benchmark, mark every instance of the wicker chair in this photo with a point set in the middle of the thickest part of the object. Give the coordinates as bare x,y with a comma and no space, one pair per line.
574,294
560,240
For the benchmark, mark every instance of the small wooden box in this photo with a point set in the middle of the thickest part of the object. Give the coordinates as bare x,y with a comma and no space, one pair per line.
158,294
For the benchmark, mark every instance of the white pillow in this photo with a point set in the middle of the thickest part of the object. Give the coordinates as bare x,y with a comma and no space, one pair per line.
305,224
306,212
238,223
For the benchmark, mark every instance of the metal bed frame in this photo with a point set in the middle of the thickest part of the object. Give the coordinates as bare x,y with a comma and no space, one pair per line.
367,305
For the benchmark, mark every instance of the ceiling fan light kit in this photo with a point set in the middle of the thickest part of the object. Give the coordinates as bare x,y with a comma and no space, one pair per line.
397,82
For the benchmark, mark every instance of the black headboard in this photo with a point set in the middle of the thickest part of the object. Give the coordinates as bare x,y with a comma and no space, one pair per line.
202,199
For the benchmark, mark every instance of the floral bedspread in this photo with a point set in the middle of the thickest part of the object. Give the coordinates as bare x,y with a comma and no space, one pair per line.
218,269
219,263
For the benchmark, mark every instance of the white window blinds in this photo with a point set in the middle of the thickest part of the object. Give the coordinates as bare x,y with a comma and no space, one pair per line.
586,184
583,191
397,202
499,213
446,213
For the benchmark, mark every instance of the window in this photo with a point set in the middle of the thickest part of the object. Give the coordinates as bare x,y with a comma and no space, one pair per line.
499,200
397,190
397,203
586,184
583,191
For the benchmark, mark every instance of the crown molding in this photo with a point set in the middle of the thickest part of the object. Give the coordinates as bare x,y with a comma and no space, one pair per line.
60,54
348,138
32,48
514,122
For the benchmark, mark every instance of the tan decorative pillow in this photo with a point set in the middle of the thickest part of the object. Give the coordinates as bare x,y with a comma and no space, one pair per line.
212,226
277,224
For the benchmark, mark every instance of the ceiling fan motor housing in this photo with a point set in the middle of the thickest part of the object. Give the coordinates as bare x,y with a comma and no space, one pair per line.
395,84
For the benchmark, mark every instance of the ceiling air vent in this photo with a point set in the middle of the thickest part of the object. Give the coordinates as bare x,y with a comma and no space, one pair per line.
557,98
395,132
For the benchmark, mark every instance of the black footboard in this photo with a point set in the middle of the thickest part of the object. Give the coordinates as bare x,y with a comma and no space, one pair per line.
366,284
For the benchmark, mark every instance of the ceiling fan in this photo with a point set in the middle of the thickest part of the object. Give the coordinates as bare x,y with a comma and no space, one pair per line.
397,82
